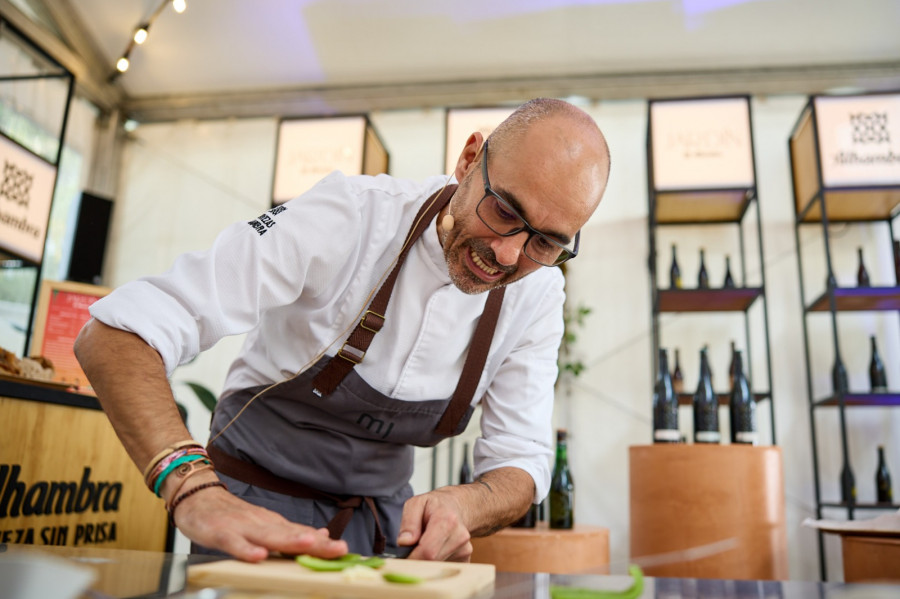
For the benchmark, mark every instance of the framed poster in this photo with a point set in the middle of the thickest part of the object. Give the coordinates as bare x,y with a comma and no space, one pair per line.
702,143
859,139
26,192
62,311
462,122
310,148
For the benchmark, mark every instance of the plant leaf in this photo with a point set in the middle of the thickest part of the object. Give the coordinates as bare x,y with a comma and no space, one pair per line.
206,397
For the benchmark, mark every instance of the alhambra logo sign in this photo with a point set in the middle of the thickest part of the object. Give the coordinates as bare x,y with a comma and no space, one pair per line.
26,191
859,140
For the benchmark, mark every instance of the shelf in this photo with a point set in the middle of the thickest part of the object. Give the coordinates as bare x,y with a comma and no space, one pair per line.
855,205
708,300
859,299
687,399
861,506
701,206
862,399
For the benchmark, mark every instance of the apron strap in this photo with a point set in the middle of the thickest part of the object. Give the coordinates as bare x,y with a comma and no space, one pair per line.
354,349
255,475
474,365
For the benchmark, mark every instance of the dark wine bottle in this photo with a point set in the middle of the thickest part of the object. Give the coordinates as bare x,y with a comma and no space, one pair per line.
884,493
731,366
839,381
877,376
529,520
665,405
677,376
702,275
674,271
706,406
862,275
729,280
742,409
465,470
848,485
562,487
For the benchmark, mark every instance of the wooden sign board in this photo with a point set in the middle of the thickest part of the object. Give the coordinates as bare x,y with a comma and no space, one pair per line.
848,149
701,144
462,122
859,139
62,311
65,480
26,192
309,149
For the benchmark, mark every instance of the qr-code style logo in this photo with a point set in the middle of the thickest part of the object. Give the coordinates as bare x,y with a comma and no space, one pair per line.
870,128
16,185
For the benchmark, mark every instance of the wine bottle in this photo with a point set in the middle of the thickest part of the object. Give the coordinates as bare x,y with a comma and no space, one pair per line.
665,405
674,271
529,520
677,376
706,406
465,470
877,376
731,366
839,381
562,487
729,280
862,275
702,276
848,485
742,409
884,492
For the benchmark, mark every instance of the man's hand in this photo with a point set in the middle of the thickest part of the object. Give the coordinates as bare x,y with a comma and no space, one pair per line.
441,523
434,522
219,520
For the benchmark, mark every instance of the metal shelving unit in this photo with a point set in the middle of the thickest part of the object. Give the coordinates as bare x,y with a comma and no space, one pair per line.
710,207
820,204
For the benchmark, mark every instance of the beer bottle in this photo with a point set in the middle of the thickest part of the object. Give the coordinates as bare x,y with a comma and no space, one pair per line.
562,487
674,271
465,471
702,275
665,405
883,479
729,280
677,377
862,275
742,409
706,406
877,376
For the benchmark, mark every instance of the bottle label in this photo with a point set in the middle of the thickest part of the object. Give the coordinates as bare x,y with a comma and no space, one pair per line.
667,434
707,437
746,437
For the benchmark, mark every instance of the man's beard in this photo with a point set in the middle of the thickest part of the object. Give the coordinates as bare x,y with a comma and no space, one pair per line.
467,281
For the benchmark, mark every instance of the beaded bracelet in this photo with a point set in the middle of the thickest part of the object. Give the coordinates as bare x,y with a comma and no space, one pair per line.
163,465
184,472
189,492
157,485
167,451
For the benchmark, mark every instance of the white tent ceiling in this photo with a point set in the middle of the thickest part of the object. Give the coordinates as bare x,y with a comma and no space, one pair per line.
302,56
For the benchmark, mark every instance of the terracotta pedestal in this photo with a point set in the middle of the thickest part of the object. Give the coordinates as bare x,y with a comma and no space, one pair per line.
712,511
583,549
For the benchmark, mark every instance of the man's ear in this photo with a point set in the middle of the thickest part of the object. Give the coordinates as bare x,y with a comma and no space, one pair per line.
468,155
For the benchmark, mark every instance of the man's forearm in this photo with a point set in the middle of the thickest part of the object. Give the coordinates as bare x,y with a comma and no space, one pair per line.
496,499
130,381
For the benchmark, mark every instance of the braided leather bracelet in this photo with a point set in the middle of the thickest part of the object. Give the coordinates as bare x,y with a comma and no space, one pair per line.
188,493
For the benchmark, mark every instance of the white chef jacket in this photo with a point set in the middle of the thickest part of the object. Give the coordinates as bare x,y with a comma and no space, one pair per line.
296,278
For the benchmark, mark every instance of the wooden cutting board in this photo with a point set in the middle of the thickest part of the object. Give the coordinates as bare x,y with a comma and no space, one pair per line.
447,580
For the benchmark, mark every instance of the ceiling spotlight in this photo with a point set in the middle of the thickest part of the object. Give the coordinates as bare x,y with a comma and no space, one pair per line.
179,5
141,33
130,125
122,64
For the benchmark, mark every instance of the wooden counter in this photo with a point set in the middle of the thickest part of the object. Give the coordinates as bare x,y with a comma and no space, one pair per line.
581,550
65,479
726,496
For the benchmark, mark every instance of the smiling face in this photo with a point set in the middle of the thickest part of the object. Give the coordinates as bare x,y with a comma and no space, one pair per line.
553,174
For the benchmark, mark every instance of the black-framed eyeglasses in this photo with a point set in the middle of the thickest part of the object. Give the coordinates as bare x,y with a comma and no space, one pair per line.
504,220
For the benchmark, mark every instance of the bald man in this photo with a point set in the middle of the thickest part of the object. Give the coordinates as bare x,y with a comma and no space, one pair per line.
378,312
